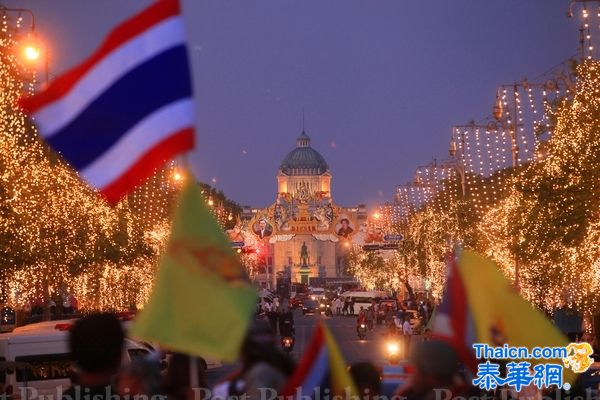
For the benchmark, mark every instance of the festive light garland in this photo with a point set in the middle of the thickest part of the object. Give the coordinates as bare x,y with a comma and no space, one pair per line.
543,213
59,239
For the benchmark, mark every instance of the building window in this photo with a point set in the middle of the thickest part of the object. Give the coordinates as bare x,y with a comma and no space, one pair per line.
289,260
319,260
270,261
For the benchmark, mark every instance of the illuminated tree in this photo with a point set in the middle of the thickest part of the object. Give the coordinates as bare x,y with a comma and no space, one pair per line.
561,200
57,236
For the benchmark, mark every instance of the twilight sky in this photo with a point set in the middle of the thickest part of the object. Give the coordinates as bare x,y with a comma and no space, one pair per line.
382,82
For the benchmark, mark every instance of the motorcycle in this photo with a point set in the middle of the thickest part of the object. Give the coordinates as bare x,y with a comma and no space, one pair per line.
325,309
393,351
362,331
287,343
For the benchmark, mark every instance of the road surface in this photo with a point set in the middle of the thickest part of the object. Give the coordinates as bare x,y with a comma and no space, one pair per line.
371,349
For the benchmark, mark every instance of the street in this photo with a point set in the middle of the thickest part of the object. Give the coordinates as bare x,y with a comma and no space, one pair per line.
371,349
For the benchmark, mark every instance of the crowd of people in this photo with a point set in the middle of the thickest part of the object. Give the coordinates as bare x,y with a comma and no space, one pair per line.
96,343
278,314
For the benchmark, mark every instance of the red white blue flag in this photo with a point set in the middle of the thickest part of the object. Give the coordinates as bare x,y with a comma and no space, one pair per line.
128,108
453,319
321,372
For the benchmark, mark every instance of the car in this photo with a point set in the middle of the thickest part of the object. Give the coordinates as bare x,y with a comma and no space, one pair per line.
297,302
209,362
35,360
316,293
310,307
364,299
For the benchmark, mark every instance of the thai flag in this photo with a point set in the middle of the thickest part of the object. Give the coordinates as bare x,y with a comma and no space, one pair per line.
321,371
127,109
453,321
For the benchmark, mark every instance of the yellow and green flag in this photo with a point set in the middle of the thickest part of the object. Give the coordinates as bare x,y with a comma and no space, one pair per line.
481,306
202,301
501,315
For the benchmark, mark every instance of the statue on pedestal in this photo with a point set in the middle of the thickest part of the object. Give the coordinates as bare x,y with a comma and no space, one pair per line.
304,254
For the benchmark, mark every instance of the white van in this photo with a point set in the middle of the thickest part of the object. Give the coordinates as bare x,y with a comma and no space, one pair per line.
35,359
316,293
364,299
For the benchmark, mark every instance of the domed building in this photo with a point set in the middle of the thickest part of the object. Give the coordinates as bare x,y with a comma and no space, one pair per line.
304,171
303,235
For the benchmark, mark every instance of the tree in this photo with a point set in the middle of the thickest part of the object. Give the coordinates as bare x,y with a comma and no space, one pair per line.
561,201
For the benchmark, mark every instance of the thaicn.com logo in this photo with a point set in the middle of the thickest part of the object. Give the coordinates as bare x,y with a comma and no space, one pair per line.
501,367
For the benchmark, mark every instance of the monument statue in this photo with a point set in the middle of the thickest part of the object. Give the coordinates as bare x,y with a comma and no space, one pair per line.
304,254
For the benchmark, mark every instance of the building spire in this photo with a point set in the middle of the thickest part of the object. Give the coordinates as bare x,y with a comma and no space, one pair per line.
303,140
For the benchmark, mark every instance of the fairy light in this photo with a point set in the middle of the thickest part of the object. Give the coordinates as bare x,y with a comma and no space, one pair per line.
470,169
588,34
535,123
59,237
524,143
552,272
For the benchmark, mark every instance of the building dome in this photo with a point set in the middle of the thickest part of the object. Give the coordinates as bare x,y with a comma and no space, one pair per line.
303,160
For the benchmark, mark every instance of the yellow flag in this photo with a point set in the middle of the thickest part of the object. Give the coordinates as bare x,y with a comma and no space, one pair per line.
500,314
201,302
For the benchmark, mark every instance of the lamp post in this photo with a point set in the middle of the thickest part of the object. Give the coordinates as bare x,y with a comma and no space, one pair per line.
459,161
584,29
457,144
20,11
32,51
510,120
458,136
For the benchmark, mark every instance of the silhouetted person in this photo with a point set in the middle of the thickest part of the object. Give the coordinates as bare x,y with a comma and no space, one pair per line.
436,372
141,377
264,365
96,343
180,383
286,324
367,380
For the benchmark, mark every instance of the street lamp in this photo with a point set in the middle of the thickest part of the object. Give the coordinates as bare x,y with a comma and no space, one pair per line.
177,176
31,52
32,49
